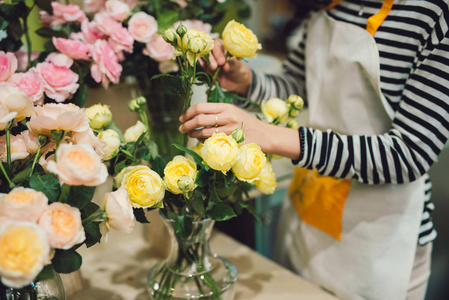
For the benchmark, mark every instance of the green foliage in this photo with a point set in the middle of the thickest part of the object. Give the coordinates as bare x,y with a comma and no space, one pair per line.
47,184
66,261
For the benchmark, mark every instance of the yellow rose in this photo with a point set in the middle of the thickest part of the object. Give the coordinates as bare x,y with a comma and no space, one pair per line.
291,123
24,251
144,186
267,180
196,44
112,140
175,169
99,116
296,101
240,41
250,162
220,152
197,148
274,108
133,133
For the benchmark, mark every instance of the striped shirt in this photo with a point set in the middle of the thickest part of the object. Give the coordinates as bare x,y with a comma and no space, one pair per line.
413,44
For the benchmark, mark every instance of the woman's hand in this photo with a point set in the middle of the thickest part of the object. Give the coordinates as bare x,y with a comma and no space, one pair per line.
203,119
234,75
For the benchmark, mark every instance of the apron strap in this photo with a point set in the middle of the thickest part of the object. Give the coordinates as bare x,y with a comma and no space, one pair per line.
375,20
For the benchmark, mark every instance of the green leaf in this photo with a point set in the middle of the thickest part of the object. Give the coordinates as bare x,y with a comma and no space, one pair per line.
196,157
158,165
46,273
197,202
166,20
80,97
66,261
202,177
230,96
213,193
139,213
22,176
14,11
45,5
3,23
93,234
184,225
119,166
48,33
217,95
250,209
80,196
221,212
47,184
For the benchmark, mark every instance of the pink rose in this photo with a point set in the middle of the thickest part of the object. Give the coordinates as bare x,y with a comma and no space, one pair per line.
105,23
22,59
72,48
66,13
90,32
93,6
142,27
8,65
59,59
23,204
119,211
59,81
181,3
19,150
120,39
57,116
63,225
106,67
78,165
158,49
31,84
117,10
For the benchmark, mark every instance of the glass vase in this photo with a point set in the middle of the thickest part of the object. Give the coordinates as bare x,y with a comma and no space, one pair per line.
164,107
46,286
191,271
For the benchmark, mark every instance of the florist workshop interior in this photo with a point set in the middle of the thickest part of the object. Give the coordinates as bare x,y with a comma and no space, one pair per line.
224,149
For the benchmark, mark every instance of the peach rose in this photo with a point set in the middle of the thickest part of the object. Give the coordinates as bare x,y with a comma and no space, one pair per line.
117,10
18,148
106,67
8,65
88,137
78,165
16,102
119,211
24,251
5,116
31,84
72,48
23,204
57,116
59,82
63,225
31,141
66,13
142,27
158,49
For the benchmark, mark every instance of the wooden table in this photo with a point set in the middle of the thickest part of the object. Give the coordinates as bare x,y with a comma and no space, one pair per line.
117,270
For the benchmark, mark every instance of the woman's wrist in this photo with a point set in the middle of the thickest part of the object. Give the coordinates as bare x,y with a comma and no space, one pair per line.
282,141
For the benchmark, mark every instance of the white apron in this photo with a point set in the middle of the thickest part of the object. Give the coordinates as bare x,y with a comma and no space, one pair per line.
380,225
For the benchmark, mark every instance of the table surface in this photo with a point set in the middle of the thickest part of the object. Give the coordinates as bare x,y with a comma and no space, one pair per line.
117,270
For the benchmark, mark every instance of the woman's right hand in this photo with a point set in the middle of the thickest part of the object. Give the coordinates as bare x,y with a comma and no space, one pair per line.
234,75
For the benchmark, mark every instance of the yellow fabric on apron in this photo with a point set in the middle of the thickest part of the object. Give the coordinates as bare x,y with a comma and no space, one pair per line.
319,200
356,240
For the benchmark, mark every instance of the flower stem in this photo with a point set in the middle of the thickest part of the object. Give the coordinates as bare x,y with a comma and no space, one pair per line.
35,160
28,40
65,189
8,146
11,185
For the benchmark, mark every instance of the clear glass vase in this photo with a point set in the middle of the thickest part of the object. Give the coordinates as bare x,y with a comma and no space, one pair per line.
46,286
191,271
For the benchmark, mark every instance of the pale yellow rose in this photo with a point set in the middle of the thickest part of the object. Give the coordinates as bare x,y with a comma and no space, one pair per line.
18,148
63,225
120,215
296,101
57,116
197,148
220,152
250,162
99,115
291,123
175,169
16,102
24,251
144,186
23,204
112,140
267,180
275,108
196,44
240,41
133,133
5,116
78,165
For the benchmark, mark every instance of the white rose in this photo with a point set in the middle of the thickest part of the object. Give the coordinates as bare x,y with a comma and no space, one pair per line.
133,133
